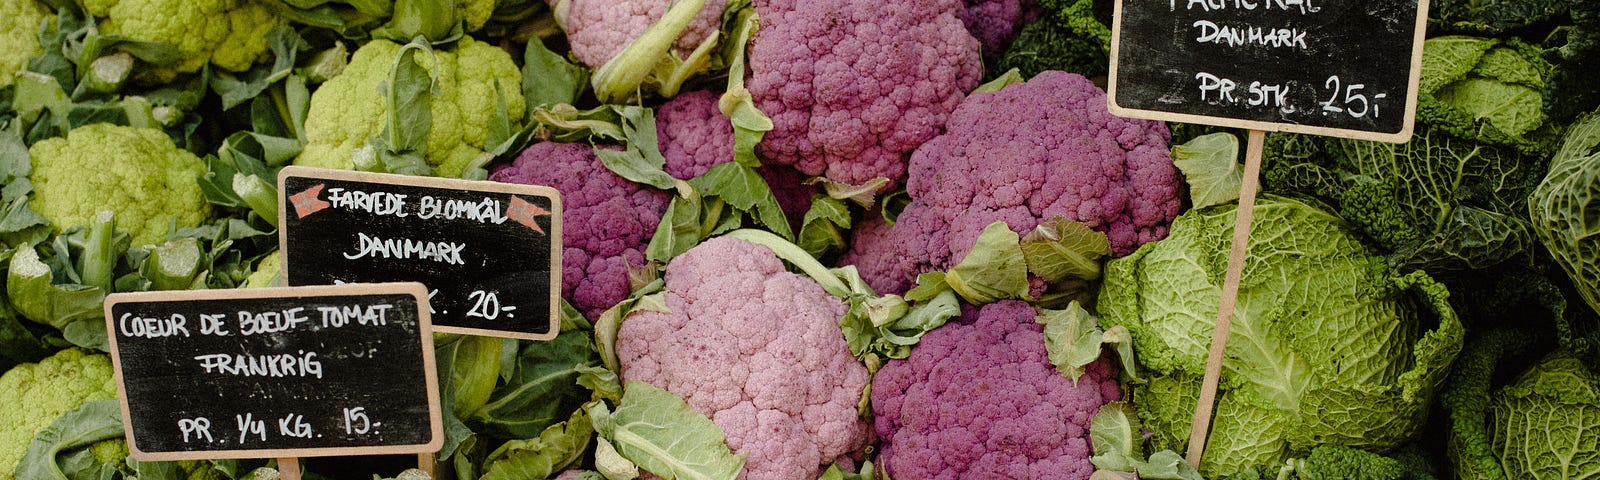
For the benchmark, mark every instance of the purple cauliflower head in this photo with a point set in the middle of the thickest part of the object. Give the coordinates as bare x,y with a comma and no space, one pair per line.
758,350
600,29
606,220
853,87
1030,152
978,398
997,22
695,136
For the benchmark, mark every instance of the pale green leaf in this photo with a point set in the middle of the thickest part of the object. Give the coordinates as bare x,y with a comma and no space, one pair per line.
1210,163
1071,339
1114,432
1061,248
995,269
658,431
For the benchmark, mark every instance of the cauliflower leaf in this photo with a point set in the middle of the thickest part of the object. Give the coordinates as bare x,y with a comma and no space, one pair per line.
660,432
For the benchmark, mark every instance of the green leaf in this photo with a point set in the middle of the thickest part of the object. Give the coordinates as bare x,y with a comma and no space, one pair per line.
610,321
548,78
18,343
995,269
620,78
822,231
1071,338
408,94
749,124
1167,465
83,426
471,364
641,161
743,188
789,252
611,464
543,388
500,127
1011,77
73,309
679,230
1210,163
285,44
431,21
556,448
1062,248
864,194
658,431
604,383
1115,436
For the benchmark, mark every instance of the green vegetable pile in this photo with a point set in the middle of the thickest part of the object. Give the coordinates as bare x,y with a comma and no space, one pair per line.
790,253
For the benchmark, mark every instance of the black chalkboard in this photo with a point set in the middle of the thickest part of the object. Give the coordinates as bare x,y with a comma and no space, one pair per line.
1346,68
489,252
276,372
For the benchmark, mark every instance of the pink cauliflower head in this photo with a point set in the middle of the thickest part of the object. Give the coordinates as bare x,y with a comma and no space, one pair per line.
695,136
606,220
997,22
600,29
758,350
978,398
1028,153
853,87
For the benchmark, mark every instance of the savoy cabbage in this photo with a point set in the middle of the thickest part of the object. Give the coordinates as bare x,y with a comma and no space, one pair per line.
1329,344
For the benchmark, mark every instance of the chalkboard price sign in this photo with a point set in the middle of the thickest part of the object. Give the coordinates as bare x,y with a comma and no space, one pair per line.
1346,68
489,252
276,372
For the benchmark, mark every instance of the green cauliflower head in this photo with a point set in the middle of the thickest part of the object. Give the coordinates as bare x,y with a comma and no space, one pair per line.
1328,344
138,173
34,394
231,34
348,110
19,39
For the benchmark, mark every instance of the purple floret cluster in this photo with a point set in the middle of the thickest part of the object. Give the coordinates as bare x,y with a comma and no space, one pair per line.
695,136
1028,153
758,350
606,220
997,22
978,398
853,87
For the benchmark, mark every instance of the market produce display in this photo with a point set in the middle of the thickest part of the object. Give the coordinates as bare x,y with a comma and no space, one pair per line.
835,239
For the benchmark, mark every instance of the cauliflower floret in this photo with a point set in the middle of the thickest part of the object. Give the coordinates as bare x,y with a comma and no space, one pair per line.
231,34
600,29
348,110
695,136
34,394
19,35
1030,152
607,220
758,350
138,173
978,398
853,87
997,22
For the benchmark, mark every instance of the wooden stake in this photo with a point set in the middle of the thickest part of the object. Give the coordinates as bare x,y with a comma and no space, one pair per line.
428,464
1230,296
289,468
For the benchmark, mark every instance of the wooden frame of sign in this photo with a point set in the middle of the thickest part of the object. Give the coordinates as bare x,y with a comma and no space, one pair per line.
1270,78
171,408
490,252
